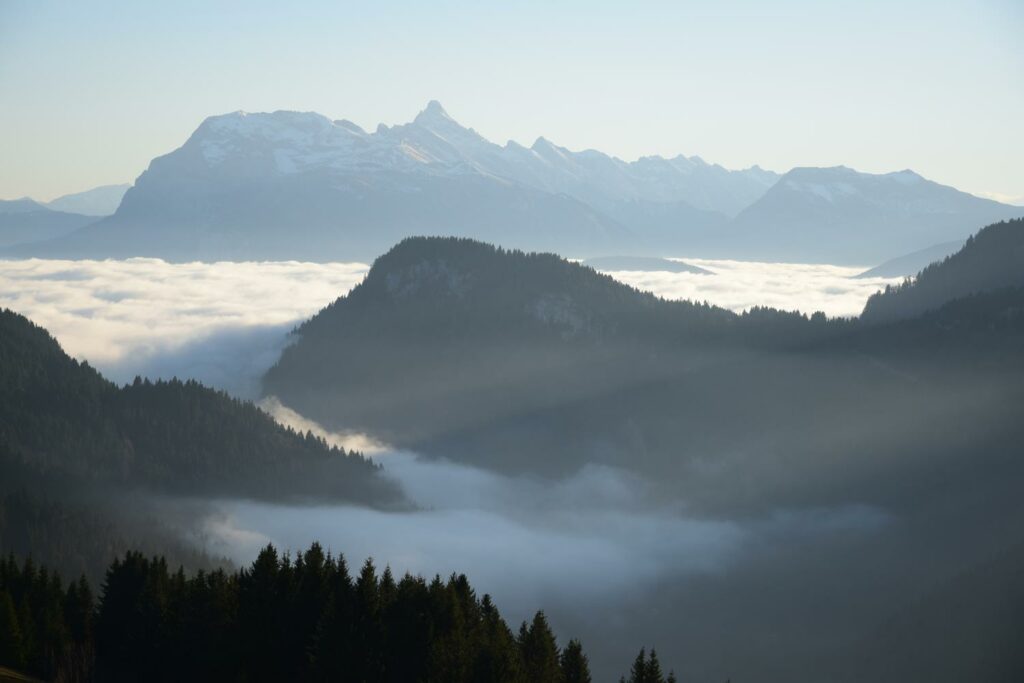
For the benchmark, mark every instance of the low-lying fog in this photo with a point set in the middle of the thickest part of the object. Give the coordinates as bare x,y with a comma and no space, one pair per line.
597,550
226,323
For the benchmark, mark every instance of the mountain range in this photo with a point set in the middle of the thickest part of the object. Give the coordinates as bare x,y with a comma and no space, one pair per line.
294,185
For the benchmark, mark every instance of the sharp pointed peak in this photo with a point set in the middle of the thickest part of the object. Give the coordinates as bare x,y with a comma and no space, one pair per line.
433,112
542,143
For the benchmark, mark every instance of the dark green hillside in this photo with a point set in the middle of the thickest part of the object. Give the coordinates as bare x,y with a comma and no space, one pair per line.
991,259
79,456
526,362
61,418
448,339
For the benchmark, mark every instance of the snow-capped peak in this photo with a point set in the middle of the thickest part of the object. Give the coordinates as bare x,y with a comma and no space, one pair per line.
289,142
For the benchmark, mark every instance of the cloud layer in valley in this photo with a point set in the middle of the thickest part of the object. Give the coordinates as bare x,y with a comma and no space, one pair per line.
225,323
222,323
741,285
529,542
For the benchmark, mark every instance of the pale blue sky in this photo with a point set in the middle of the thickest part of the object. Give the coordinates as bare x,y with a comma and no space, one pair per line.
91,91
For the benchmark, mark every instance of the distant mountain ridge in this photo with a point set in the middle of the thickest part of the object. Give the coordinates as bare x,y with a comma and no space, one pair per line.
911,264
25,220
842,216
98,201
297,185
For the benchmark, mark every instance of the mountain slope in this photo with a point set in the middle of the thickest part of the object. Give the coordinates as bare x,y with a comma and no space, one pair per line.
99,201
61,419
968,628
298,185
837,215
291,185
23,220
992,259
526,362
909,265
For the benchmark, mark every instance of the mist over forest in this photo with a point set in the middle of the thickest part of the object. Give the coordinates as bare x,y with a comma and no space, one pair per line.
684,342
581,490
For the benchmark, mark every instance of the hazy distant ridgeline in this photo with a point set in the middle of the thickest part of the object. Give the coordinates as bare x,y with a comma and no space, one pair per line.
23,220
99,201
842,216
292,185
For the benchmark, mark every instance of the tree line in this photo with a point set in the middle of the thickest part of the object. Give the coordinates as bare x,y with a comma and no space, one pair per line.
61,418
301,618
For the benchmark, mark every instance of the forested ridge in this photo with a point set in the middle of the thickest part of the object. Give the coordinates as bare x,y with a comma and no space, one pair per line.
450,345
991,259
77,452
306,618
61,417
527,362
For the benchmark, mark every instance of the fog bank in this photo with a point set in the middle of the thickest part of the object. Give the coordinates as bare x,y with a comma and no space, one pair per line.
225,323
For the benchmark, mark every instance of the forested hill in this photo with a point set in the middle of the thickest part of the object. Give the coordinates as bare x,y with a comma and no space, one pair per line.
61,419
527,362
446,335
441,286
991,259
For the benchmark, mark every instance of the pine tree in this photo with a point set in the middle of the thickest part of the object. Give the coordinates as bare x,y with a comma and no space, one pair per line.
539,651
638,672
654,674
575,667
12,652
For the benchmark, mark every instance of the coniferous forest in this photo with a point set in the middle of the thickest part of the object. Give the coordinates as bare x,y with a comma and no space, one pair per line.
307,618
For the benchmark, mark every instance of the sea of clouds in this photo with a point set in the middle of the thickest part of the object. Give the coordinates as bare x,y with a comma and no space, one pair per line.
226,323
595,543
741,285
